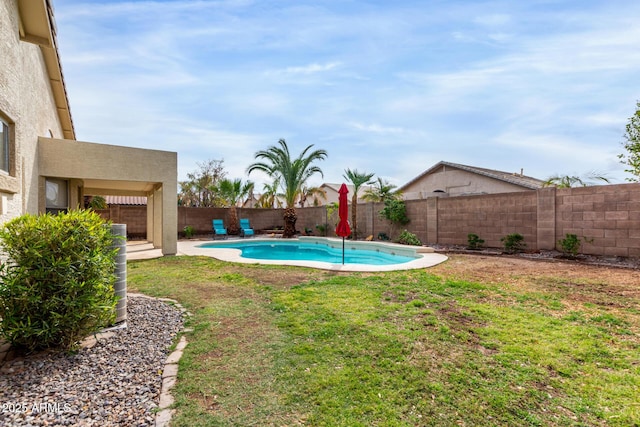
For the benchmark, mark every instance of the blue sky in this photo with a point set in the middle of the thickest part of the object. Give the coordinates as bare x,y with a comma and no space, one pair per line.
388,87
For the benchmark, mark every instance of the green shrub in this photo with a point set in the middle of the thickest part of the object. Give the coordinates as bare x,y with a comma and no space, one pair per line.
322,229
395,211
570,245
474,242
57,285
188,231
513,243
407,238
383,236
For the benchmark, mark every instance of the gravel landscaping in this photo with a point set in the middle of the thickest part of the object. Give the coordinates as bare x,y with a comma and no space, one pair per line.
116,382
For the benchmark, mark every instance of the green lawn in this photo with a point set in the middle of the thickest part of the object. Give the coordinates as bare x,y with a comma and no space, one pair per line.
284,346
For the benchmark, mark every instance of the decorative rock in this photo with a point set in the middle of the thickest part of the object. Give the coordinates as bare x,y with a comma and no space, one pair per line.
116,382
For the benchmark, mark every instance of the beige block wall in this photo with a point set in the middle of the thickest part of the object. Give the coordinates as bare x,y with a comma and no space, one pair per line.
135,217
608,216
260,219
27,103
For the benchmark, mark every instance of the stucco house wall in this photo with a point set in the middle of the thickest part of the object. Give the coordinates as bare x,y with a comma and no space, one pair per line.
42,146
446,179
454,182
332,194
28,106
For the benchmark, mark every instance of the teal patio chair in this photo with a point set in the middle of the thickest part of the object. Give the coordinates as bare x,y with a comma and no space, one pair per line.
245,228
218,228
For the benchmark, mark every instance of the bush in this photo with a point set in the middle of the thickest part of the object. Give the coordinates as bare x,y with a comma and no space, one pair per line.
407,238
513,243
474,242
188,231
570,245
57,285
395,211
383,236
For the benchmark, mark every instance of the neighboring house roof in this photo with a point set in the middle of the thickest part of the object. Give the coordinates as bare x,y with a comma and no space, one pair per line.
510,177
37,26
350,187
126,200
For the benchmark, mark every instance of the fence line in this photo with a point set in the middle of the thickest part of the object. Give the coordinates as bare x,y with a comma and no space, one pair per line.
606,218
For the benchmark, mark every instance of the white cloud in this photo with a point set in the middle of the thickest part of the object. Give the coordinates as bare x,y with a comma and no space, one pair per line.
376,128
483,83
309,69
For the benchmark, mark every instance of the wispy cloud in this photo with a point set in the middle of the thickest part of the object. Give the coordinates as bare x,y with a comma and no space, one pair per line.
498,85
376,128
308,69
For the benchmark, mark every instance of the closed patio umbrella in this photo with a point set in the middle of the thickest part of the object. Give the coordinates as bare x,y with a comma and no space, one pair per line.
343,229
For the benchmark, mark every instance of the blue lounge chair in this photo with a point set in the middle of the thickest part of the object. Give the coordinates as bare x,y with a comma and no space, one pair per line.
245,228
218,228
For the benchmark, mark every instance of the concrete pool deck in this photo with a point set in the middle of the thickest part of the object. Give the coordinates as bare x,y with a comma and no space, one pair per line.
137,250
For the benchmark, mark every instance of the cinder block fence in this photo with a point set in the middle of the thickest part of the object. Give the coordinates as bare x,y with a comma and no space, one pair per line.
606,218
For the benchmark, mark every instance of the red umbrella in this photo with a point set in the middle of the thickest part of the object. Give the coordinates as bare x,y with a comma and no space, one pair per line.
343,229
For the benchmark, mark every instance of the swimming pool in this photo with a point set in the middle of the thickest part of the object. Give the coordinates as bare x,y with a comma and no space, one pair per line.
324,253
311,251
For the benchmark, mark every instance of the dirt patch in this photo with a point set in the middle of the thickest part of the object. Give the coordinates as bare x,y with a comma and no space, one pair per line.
513,269
572,286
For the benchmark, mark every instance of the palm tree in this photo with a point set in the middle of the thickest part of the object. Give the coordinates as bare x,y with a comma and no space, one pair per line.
293,174
97,202
567,181
381,191
316,193
358,179
269,197
232,192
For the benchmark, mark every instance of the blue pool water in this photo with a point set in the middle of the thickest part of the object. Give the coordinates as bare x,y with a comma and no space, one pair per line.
293,250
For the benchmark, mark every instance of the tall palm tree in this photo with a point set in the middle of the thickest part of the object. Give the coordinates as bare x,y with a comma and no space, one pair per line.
358,179
233,192
568,181
381,191
276,162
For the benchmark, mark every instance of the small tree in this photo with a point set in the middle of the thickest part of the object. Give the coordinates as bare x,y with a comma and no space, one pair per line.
632,145
57,286
197,190
395,211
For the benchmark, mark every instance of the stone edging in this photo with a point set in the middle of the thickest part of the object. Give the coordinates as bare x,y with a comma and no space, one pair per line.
170,371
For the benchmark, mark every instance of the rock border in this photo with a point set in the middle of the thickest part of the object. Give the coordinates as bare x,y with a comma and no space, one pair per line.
170,370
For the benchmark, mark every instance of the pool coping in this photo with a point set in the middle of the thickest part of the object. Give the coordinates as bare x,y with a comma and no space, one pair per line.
191,247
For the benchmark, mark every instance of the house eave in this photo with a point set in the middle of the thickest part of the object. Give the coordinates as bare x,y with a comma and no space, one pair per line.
37,26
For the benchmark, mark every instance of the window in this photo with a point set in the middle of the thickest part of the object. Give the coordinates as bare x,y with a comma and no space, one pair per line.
57,193
4,146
